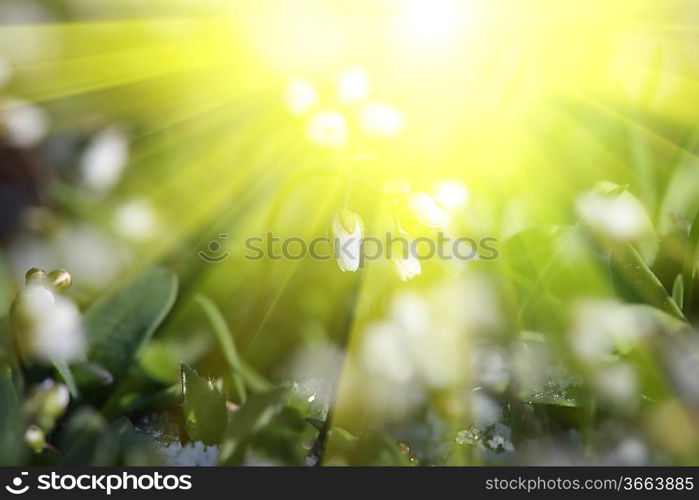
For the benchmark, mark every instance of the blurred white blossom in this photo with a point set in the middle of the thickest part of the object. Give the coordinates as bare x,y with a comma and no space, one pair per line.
46,403
328,128
620,217
406,264
471,304
104,159
500,439
426,211
530,358
682,360
192,454
35,438
49,326
631,451
600,326
414,344
384,354
491,368
94,259
135,220
22,124
381,120
484,410
411,312
617,386
451,194
50,398
353,85
301,96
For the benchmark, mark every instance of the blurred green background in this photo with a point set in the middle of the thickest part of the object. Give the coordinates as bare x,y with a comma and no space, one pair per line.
138,136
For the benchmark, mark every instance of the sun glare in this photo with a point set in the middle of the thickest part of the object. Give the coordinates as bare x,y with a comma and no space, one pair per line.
432,22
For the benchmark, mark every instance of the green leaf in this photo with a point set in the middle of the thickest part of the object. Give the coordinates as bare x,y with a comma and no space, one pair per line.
12,449
135,448
550,264
259,410
316,423
119,325
91,375
204,408
163,400
689,271
342,440
160,361
67,375
678,291
376,449
551,397
87,440
240,369
283,439
5,288
681,197
635,282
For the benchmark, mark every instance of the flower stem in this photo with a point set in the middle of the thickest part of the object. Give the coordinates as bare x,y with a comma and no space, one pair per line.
317,453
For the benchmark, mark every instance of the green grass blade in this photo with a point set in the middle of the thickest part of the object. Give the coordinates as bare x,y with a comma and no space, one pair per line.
635,282
249,376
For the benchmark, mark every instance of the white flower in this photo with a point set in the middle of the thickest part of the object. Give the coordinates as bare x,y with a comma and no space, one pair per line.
191,454
492,368
93,257
451,194
50,326
135,220
347,233
384,353
485,410
407,265
104,159
47,402
411,312
600,326
500,440
35,438
618,387
381,120
426,211
23,125
328,128
57,397
620,217
630,451
301,96
353,85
